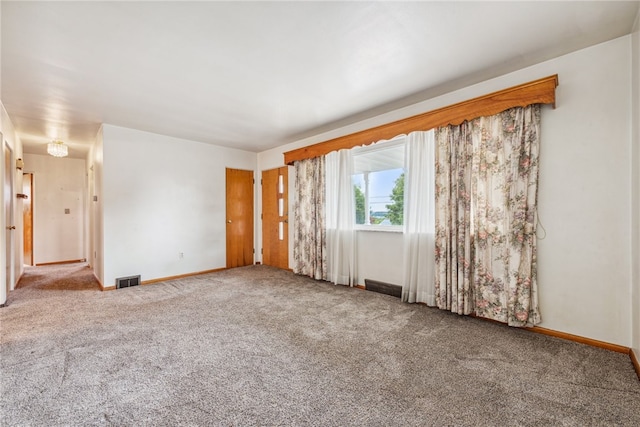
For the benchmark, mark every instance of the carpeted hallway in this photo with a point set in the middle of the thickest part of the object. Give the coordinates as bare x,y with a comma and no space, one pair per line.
62,277
261,346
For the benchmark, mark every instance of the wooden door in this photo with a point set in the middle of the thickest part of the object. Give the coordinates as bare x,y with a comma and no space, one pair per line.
27,217
239,188
275,218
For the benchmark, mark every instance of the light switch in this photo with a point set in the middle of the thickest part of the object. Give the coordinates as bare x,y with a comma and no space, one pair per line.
67,211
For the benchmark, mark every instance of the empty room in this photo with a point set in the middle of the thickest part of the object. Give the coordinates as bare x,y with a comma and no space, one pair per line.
365,213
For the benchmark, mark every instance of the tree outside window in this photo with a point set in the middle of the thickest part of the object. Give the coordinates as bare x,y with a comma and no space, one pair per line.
396,208
360,208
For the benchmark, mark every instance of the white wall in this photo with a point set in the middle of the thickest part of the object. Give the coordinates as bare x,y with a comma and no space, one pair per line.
58,184
95,254
16,269
377,252
585,182
164,196
635,196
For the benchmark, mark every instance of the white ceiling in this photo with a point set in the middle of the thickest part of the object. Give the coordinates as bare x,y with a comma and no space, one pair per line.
254,75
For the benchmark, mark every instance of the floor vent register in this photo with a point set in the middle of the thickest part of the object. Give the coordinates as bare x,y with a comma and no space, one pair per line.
127,282
383,288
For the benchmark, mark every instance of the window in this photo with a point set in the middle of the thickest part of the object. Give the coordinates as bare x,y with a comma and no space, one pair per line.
378,184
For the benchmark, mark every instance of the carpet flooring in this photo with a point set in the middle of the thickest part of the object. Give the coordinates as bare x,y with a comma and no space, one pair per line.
261,346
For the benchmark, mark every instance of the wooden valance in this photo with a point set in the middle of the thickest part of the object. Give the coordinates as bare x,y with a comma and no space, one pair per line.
542,91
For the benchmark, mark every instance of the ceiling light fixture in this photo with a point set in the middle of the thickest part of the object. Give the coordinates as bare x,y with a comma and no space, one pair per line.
57,149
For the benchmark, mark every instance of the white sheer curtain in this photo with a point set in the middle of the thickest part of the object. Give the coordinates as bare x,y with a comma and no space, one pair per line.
419,219
340,218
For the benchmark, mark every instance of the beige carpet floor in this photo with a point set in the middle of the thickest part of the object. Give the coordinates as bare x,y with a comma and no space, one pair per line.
261,346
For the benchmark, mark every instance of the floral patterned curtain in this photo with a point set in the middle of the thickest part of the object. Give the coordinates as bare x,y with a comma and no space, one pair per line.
309,238
453,220
486,216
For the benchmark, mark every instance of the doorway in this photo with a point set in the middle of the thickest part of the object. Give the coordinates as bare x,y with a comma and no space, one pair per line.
27,217
239,209
275,218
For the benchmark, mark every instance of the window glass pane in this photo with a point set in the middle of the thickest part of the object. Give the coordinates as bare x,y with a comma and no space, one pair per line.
379,184
386,201
358,188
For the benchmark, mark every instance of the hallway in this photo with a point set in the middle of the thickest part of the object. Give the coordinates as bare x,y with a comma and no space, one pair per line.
58,277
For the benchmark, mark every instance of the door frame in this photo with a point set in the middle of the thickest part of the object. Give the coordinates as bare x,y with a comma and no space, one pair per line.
8,209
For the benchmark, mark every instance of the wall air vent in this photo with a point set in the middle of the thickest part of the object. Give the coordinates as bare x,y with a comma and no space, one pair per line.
383,288
126,282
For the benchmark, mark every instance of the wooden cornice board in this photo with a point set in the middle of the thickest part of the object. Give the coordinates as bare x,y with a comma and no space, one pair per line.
542,91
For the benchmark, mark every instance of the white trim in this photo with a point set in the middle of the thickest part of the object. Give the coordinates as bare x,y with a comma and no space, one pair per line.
376,228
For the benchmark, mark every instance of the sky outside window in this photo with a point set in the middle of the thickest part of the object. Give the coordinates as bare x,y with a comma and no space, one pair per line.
381,184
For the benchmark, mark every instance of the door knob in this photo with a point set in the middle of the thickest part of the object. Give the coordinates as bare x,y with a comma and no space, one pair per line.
11,227
228,221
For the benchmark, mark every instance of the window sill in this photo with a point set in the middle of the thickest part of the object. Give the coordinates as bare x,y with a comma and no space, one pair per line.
383,229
